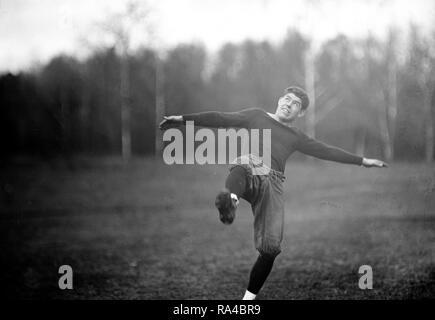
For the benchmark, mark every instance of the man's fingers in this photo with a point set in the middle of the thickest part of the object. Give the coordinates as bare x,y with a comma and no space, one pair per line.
163,124
375,163
381,164
168,122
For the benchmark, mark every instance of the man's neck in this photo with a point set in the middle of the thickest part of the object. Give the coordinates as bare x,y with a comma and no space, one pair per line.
274,117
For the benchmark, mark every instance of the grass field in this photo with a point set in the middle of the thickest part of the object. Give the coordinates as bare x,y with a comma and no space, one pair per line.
150,231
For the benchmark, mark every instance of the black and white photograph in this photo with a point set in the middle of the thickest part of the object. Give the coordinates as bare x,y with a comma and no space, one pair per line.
231,150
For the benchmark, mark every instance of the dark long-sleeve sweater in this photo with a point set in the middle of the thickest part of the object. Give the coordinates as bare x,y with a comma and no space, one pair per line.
284,140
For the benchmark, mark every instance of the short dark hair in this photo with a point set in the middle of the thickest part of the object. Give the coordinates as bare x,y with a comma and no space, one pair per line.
301,94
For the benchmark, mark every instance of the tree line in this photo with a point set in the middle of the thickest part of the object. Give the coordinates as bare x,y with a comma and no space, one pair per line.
369,96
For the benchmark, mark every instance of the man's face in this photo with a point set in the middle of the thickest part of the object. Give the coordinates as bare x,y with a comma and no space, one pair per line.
289,107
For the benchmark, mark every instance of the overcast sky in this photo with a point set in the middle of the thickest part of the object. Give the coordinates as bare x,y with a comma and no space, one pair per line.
32,31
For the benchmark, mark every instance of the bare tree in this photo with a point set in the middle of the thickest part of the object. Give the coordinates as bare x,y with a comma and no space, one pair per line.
120,26
391,92
310,80
427,89
422,59
160,104
378,100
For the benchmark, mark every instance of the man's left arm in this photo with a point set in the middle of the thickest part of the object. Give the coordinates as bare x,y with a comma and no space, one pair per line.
324,151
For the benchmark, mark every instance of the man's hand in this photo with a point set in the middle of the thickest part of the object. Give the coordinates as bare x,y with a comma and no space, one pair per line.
170,122
369,163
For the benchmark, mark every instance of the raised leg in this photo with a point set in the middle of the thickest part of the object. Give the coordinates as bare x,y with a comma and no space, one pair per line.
236,181
228,199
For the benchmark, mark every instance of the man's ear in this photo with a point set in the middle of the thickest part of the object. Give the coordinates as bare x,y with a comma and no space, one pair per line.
301,113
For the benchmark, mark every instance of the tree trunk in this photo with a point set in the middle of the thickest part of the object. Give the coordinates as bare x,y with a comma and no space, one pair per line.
85,121
65,123
425,86
310,87
428,125
360,147
125,109
160,107
385,135
391,106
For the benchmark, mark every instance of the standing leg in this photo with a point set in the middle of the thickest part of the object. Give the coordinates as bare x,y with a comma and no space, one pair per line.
259,273
268,208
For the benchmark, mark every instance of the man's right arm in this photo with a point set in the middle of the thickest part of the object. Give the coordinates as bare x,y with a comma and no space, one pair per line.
324,151
212,119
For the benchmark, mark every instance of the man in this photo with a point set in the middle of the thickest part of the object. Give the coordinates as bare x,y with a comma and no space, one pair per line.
265,192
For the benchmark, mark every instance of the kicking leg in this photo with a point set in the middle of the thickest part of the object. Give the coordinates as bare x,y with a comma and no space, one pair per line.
228,199
236,181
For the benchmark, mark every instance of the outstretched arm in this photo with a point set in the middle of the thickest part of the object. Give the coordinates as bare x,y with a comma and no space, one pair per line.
324,151
212,119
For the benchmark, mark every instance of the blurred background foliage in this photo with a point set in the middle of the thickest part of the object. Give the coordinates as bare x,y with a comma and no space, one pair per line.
369,96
